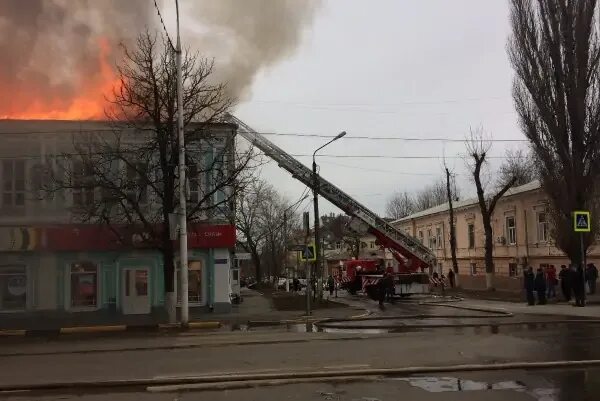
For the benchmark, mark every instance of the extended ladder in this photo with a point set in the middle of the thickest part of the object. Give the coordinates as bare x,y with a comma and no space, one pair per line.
386,234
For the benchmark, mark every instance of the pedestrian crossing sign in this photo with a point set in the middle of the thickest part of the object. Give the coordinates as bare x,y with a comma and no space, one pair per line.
581,221
308,254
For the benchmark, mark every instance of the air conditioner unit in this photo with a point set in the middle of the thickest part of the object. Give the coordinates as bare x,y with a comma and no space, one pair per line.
501,240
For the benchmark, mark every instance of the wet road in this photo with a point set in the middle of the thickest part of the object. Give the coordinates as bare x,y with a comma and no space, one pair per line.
293,349
516,385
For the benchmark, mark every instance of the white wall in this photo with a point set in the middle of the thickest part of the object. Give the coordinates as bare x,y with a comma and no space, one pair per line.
222,272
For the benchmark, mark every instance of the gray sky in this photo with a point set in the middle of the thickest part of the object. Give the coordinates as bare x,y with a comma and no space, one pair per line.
401,68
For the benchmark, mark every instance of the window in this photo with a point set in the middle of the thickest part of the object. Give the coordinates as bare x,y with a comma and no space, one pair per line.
338,245
421,237
83,188
194,282
471,235
13,288
511,231
13,183
473,269
431,240
512,270
137,189
542,227
438,236
193,179
372,245
84,284
235,275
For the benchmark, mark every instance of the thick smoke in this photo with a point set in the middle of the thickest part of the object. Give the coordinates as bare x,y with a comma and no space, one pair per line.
50,49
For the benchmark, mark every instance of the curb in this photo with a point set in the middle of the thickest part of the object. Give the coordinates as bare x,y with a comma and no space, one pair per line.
111,329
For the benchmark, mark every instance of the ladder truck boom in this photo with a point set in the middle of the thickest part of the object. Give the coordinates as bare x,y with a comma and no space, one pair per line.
386,234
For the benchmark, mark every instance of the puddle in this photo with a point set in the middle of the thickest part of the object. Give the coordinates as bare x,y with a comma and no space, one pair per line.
453,384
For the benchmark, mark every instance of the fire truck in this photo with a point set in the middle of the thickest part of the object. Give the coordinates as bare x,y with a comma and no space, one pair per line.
413,257
363,275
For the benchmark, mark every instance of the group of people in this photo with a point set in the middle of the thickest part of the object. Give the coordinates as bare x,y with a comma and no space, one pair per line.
573,283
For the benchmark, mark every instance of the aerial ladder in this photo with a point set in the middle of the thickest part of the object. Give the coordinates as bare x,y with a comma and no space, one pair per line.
418,257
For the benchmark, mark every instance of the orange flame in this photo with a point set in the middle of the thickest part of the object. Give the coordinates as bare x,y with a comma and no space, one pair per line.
90,102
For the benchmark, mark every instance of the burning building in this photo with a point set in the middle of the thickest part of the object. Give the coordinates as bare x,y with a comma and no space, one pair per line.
61,263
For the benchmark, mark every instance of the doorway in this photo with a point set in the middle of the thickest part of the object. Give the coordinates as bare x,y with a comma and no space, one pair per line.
136,299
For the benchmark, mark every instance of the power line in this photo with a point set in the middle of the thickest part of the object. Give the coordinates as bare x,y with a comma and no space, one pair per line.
379,170
163,25
297,134
388,138
409,102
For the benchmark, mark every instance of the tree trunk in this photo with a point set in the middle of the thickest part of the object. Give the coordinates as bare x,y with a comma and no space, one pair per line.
489,252
257,267
169,278
452,227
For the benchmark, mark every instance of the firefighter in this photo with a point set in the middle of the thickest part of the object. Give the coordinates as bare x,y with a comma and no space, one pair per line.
381,290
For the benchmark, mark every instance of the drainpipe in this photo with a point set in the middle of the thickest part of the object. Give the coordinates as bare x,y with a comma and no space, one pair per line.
526,236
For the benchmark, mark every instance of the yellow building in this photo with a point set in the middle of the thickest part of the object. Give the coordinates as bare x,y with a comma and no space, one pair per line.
521,233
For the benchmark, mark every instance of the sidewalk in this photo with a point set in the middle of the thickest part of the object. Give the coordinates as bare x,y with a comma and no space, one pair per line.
256,309
589,311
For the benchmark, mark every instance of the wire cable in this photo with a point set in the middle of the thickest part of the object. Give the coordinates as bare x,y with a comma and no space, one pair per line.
163,25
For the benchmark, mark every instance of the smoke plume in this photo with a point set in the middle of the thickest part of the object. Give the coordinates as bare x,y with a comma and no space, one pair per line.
58,56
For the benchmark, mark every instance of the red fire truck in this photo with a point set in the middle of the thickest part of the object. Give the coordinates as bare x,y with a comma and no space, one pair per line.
363,275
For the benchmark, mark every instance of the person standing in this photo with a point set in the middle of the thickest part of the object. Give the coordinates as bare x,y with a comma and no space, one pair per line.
578,285
451,278
528,280
551,280
565,282
591,276
330,285
540,286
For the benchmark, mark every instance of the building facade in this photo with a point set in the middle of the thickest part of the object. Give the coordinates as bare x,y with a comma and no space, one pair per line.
521,230
55,267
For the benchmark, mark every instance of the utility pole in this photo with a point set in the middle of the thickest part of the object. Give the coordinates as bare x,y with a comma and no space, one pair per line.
285,252
315,188
183,251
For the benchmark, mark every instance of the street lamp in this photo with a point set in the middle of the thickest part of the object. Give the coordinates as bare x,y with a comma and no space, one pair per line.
315,188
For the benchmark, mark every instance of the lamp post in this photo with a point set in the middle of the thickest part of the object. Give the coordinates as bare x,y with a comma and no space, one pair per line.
315,188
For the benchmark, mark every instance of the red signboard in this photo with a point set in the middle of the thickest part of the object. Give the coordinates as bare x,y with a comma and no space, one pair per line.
211,236
88,237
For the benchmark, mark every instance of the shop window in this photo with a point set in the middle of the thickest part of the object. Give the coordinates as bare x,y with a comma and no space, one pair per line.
13,288
512,270
194,282
511,230
13,183
84,285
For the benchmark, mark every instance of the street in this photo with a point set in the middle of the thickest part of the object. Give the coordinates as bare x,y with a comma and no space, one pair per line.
154,362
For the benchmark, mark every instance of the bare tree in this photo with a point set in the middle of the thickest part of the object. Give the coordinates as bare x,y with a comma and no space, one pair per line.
399,205
555,52
259,220
477,148
450,198
430,196
127,175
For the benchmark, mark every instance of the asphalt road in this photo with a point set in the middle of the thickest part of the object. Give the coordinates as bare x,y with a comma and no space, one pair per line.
290,349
